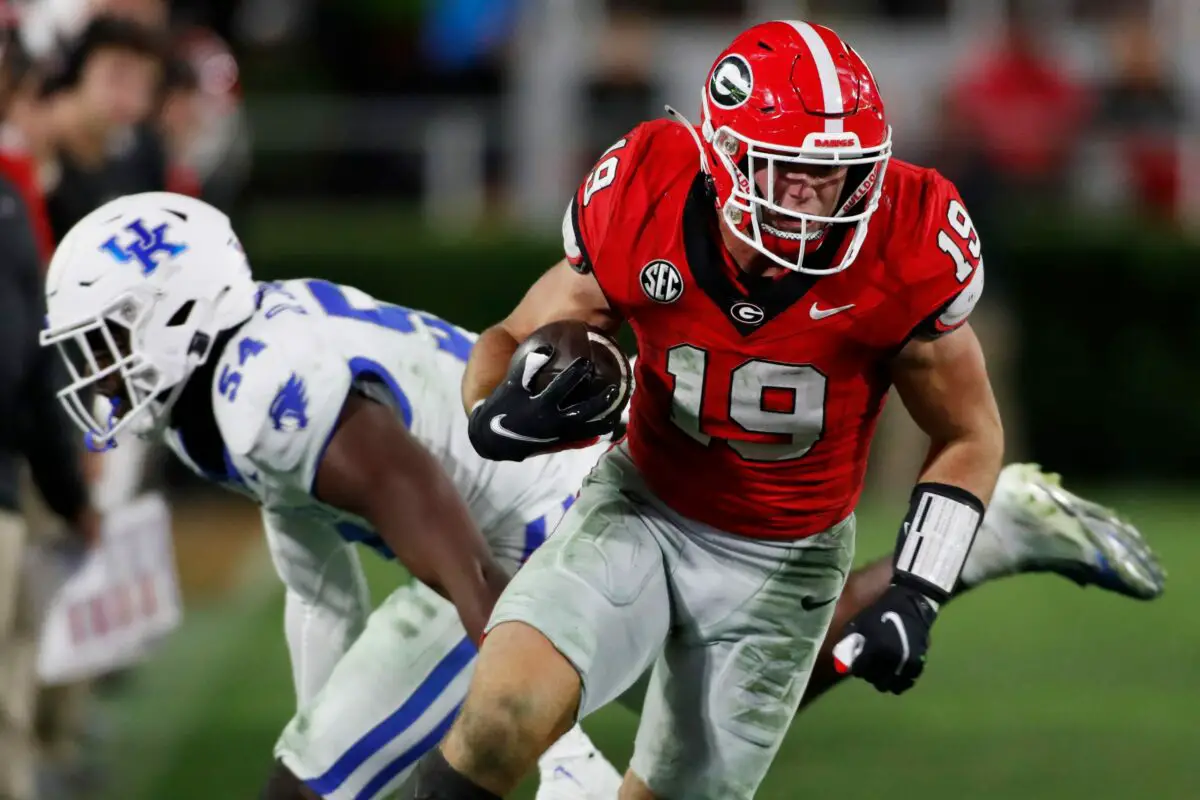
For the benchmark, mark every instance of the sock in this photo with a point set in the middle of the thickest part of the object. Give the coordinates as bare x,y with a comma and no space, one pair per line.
435,779
993,554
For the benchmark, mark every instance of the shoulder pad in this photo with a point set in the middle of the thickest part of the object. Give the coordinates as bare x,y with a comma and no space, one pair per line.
624,182
944,256
277,394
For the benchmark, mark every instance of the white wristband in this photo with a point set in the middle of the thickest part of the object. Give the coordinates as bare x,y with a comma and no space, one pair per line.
937,536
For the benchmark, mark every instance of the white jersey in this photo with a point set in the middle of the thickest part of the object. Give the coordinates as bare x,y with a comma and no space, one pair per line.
282,379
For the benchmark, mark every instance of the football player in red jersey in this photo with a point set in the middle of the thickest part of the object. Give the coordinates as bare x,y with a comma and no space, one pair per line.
712,542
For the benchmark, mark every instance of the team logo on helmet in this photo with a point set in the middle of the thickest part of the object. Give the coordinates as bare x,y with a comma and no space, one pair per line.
731,82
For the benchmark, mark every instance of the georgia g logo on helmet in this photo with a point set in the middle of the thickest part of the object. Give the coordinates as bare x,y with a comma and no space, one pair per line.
731,82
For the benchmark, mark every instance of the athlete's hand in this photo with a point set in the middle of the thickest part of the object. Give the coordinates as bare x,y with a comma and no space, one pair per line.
885,644
514,422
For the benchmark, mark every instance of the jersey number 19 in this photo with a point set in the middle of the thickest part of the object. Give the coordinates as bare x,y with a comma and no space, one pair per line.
765,397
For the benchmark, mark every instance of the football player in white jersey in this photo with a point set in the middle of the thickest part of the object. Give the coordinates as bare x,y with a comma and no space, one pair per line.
340,415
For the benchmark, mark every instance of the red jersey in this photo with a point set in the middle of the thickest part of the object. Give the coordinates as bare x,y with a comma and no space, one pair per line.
20,168
757,397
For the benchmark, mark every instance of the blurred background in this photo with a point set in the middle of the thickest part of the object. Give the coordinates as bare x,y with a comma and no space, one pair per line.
424,150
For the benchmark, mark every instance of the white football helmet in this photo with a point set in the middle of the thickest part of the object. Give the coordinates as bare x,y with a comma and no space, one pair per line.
135,295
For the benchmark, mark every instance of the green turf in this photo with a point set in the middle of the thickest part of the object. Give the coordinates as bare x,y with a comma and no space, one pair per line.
1035,689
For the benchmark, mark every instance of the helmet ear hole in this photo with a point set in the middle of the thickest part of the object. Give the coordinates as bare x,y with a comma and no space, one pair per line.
180,317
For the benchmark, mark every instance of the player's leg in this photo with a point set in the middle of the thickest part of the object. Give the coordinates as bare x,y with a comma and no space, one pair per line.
572,768
750,617
283,785
581,621
1031,525
380,711
389,700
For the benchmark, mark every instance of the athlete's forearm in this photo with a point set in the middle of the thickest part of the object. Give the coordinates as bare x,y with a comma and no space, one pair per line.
432,534
944,385
971,461
487,365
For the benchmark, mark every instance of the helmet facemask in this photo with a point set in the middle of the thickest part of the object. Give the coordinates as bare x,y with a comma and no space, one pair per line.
106,355
749,206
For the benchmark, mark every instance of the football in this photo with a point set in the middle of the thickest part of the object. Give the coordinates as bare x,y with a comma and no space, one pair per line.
572,339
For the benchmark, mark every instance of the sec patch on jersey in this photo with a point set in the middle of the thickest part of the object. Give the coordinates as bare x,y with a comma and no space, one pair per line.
572,339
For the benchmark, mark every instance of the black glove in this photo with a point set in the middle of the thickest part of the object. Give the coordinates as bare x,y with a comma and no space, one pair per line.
513,423
885,644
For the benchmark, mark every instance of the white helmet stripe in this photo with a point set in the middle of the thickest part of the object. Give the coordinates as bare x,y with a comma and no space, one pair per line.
831,87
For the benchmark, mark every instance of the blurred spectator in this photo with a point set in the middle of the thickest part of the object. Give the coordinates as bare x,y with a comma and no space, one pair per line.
216,150
1140,117
179,123
153,14
99,124
34,428
200,116
1011,123
20,131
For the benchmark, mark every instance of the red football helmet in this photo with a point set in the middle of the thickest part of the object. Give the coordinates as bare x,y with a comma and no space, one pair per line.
793,93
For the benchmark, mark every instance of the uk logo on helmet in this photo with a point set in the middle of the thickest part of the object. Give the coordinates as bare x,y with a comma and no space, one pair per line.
145,247
731,82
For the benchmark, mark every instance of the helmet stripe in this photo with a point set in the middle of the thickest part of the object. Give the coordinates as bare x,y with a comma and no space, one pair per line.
831,87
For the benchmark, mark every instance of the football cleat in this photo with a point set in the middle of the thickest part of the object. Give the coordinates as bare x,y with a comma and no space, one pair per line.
1035,525
574,769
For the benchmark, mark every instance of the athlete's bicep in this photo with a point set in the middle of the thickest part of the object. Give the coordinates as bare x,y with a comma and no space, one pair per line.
561,293
945,387
375,468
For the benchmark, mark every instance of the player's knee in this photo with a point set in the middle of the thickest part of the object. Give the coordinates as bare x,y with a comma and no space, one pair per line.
523,672
522,699
283,785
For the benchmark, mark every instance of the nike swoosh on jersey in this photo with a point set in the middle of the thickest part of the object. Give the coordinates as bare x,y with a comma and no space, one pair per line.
497,426
822,313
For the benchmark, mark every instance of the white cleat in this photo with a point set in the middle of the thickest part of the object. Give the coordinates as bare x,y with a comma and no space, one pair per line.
573,769
1033,524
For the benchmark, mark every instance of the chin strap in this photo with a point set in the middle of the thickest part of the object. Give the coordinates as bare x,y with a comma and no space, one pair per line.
96,444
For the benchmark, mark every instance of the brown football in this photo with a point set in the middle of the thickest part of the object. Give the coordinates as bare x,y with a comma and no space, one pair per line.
573,339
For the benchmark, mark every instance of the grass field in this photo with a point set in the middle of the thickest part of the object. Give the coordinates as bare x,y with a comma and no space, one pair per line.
1035,689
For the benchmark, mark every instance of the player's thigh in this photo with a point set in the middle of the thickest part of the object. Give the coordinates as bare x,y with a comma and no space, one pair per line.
597,590
522,531
389,700
534,515
730,678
